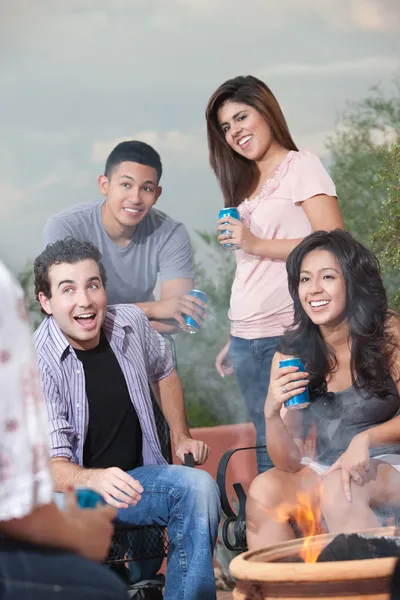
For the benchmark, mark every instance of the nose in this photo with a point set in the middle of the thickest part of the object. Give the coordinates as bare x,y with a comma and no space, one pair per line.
134,196
83,299
236,129
315,287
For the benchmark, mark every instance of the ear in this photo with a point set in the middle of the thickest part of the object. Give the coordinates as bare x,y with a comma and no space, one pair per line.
102,181
45,303
158,192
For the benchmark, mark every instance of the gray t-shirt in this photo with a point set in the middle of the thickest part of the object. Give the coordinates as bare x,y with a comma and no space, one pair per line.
159,245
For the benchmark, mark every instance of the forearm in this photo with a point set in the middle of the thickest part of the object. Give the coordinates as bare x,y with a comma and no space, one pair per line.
46,526
282,449
170,393
274,249
67,474
385,434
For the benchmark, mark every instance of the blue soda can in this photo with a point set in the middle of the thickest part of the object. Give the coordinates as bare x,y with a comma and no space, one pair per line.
229,212
192,325
87,498
301,400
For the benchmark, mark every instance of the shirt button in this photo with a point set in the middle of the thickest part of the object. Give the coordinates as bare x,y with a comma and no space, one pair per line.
78,372
78,405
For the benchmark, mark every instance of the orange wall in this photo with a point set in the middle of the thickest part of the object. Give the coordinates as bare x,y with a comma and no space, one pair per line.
242,466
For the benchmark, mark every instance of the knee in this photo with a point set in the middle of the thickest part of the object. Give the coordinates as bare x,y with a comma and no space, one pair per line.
265,493
199,486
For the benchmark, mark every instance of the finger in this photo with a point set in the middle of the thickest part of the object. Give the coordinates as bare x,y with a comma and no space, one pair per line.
346,483
228,220
356,476
284,379
109,512
219,367
205,453
282,371
196,301
119,491
294,385
363,472
336,465
181,321
228,370
128,480
116,503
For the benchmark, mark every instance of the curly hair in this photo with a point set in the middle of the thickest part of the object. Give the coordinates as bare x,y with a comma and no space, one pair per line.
69,250
366,312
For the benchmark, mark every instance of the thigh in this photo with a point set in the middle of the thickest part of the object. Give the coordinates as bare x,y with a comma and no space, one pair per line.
163,486
38,573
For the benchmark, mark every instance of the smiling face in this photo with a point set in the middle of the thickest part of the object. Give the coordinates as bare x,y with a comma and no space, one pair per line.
245,130
131,191
322,288
78,302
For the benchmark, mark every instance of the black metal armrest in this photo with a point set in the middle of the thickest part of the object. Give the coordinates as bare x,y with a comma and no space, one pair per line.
188,460
238,519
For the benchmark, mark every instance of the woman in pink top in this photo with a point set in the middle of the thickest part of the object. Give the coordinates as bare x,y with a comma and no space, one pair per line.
282,195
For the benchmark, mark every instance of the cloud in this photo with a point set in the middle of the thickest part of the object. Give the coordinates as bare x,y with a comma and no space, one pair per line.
184,149
368,64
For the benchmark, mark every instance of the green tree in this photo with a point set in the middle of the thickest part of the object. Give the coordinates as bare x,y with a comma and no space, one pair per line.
386,240
358,155
27,282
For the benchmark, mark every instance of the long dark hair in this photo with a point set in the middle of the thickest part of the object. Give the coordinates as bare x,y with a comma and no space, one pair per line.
366,313
238,176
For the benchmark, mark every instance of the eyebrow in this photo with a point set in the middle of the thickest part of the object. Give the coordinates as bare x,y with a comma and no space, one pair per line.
71,281
324,269
233,118
133,179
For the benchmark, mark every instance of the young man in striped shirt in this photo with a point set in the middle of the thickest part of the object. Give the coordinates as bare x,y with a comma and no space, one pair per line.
95,363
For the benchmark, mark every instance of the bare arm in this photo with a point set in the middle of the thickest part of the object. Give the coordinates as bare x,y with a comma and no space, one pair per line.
170,394
163,313
322,211
284,435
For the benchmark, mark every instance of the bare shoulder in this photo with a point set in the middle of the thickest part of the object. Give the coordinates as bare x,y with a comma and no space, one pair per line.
393,336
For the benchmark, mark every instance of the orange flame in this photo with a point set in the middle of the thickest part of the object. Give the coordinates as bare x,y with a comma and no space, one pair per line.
307,512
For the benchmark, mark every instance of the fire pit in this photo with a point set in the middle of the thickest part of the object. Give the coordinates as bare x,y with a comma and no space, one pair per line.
278,572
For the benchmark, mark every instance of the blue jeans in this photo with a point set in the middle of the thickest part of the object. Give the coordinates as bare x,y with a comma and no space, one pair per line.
187,502
29,572
251,361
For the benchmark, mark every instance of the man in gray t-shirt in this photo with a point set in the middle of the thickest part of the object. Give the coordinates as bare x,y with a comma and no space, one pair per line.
137,242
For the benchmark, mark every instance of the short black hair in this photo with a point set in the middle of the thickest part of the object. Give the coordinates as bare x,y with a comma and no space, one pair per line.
69,250
133,151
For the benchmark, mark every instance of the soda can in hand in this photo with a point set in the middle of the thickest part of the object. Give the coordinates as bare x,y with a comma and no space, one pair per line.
300,400
192,325
229,212
87,498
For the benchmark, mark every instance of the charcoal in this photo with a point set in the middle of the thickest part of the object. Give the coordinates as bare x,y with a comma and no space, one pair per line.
355,546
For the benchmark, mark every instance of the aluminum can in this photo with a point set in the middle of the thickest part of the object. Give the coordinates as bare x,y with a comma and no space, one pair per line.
229,212
87,498
192,325
301,400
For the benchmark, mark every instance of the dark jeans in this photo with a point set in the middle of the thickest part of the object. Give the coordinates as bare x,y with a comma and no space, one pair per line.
251,361
29,572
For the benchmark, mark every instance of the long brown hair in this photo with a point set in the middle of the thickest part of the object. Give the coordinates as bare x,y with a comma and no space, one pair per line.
238,177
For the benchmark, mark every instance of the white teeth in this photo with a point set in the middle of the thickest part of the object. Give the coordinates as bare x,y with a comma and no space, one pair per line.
244,140
319,303
90,316
132,210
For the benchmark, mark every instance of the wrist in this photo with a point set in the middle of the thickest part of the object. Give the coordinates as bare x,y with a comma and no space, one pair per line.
271,412
182,436
147,308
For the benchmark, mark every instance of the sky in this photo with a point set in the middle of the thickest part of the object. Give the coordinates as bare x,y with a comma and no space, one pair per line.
78,76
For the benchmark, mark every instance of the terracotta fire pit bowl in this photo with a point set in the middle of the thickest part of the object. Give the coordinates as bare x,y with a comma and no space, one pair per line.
270,573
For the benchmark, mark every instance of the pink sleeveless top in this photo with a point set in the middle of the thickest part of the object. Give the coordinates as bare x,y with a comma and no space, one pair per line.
260,302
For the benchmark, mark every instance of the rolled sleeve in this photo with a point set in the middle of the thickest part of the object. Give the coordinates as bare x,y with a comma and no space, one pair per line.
175,261
158,356
62,435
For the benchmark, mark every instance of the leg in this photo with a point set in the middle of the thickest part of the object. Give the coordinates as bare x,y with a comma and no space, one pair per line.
271,502
251,361
342,516
29,572
187,502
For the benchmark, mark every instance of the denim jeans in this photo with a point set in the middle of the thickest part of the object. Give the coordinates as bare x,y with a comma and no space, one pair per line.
29,572
251,361
187,502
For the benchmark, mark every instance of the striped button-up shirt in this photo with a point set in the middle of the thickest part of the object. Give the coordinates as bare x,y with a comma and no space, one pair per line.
142,354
